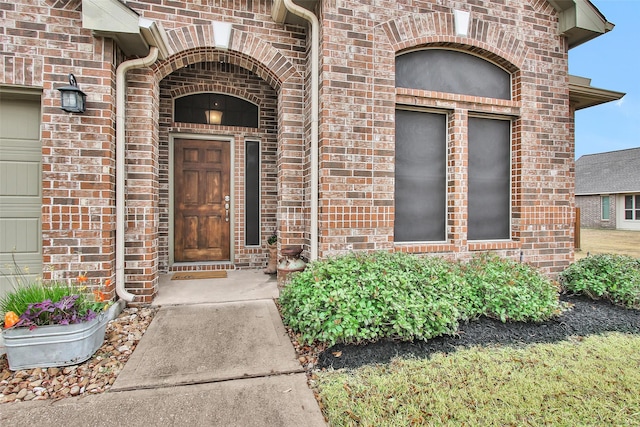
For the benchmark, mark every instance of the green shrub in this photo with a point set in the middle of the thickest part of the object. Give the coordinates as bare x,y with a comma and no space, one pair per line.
509,290
609,276
367,297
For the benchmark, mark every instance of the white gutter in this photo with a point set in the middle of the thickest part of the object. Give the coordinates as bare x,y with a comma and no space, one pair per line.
315,38
121,95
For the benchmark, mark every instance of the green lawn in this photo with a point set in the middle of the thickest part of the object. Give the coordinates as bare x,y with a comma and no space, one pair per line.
593,381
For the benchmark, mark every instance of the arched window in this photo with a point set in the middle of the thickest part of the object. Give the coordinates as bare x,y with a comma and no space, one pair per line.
423,134
452,71
215,109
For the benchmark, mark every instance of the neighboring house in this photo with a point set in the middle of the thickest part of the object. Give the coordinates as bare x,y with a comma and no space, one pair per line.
428,126
608,189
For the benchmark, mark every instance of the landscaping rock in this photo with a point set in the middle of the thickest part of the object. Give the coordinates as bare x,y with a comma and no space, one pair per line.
95,375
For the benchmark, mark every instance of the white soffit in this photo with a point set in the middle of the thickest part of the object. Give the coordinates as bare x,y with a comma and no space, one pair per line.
580,21
583,95
109,16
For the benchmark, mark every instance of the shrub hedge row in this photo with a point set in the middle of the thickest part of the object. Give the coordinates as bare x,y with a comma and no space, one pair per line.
366,297
612,277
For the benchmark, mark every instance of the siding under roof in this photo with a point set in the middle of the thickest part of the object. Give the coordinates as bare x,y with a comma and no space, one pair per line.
608,173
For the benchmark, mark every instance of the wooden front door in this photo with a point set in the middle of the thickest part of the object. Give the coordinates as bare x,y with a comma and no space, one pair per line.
202,200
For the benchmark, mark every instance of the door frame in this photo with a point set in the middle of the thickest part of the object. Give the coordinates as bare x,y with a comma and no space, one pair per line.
232,157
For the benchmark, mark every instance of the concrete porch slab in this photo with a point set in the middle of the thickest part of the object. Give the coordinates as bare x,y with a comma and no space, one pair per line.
240,285
210,342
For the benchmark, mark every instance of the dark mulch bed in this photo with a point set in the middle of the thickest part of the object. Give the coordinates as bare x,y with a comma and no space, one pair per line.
587,317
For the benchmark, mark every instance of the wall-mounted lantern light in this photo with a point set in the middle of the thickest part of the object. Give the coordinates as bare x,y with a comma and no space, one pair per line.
72,99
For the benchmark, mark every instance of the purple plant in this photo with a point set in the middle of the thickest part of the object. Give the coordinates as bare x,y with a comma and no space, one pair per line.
63,312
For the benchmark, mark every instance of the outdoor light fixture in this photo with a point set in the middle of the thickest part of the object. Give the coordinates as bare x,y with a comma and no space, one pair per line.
214,117
72,99
213,114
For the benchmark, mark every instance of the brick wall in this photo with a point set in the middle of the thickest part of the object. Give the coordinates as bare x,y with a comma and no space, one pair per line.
591,212
40,45
359,45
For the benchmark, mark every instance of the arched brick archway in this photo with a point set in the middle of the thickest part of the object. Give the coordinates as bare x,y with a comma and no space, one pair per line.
485,39
195,45
216,88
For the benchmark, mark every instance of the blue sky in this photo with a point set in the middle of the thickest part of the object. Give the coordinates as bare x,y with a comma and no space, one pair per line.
611,61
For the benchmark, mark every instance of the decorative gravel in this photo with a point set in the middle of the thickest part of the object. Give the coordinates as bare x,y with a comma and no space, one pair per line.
586,317
96,375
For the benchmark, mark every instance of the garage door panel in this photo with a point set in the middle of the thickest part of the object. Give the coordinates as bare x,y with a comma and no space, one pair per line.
30,267
15,206
20,187
21,150
20,179
18,118
20,235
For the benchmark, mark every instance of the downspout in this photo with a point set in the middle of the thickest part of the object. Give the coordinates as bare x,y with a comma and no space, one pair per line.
121,95
315,38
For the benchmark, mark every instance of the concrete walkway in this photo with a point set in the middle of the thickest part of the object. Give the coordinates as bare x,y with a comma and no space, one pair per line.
216,354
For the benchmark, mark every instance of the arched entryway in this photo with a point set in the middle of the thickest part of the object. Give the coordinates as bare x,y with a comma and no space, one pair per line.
218,142
253,70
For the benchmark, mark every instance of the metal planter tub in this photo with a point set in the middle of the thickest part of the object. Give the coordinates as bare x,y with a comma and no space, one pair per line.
54,345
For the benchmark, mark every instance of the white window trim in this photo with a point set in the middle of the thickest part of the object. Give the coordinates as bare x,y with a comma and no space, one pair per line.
602,218
634,207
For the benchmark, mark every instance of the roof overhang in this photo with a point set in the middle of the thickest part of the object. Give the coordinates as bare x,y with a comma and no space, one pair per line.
281,15
583,95
133,33
580,21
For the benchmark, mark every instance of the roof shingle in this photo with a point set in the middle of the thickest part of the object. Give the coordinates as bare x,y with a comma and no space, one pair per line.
608,173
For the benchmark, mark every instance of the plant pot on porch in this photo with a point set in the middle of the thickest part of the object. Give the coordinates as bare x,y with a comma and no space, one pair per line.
272,265
56,345
290,263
